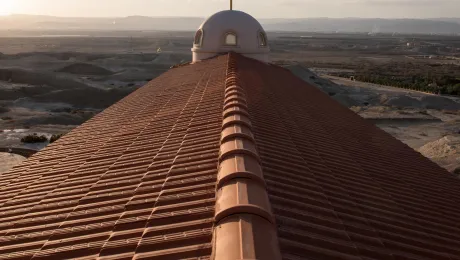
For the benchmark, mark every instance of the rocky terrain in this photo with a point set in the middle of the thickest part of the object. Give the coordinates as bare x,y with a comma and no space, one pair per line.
50,85
52,92
7,161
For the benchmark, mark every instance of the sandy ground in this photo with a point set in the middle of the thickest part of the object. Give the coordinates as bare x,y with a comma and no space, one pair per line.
51,93
51,85
444,151
7,161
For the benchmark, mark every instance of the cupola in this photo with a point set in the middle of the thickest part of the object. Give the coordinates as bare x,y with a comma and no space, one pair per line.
227,31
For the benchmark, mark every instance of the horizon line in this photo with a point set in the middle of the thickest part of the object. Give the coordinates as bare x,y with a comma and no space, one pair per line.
203,17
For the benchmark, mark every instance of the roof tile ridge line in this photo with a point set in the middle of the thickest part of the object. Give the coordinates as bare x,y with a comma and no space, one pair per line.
244,224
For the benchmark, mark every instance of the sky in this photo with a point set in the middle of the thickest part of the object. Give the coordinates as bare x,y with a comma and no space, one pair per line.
257,8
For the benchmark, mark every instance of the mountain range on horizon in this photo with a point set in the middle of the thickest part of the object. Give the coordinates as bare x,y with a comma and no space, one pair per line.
350,25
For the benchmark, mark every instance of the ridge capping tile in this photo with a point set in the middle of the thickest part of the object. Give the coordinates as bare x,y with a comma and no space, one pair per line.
241,195
236,119
238,145
234,91
236,98
239,166
227,105
233,88
244,223
245,237
232,110
235,131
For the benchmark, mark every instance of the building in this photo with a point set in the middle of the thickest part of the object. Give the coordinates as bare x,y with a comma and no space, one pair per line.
227,31
229,158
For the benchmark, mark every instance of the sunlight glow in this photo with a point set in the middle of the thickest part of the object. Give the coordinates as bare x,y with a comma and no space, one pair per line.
6,7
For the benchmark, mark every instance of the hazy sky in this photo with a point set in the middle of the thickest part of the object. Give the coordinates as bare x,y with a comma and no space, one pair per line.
258,8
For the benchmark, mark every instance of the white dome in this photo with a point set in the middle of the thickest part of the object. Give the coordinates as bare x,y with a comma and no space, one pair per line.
217,35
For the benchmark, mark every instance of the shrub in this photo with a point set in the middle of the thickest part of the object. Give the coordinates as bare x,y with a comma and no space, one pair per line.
55,138
34,138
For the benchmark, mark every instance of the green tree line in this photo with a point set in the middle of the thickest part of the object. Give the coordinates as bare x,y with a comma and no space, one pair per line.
438,85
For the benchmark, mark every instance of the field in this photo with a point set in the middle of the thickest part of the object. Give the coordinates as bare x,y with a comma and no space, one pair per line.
51,82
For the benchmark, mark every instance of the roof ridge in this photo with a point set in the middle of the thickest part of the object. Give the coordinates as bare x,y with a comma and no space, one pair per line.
244,223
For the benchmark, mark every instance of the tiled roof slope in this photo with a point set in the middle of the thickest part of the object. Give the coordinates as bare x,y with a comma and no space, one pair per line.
341,188
227,159
136,181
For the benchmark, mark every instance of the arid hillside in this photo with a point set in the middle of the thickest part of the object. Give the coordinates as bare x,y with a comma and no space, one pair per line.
50,83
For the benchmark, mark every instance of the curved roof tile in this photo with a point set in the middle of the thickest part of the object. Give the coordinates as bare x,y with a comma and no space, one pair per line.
229,158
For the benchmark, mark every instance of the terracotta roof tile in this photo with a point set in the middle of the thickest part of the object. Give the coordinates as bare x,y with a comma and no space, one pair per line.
229,158
103,165
328,173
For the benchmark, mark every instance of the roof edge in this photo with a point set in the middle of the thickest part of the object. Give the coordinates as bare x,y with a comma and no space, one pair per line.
244,223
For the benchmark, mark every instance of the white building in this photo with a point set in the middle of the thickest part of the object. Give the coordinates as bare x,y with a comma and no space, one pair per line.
228,31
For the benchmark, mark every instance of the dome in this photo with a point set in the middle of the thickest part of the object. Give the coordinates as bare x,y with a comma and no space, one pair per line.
230,31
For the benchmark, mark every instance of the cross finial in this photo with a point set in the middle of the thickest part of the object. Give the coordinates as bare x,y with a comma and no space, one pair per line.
231,4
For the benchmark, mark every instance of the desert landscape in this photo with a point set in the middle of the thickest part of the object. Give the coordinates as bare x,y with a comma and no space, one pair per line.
53,81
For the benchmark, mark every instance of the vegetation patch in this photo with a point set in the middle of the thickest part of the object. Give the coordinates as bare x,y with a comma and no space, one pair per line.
34,138
443,79
54,138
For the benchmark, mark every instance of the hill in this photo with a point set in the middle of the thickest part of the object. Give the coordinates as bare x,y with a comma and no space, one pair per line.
350,25
359,25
